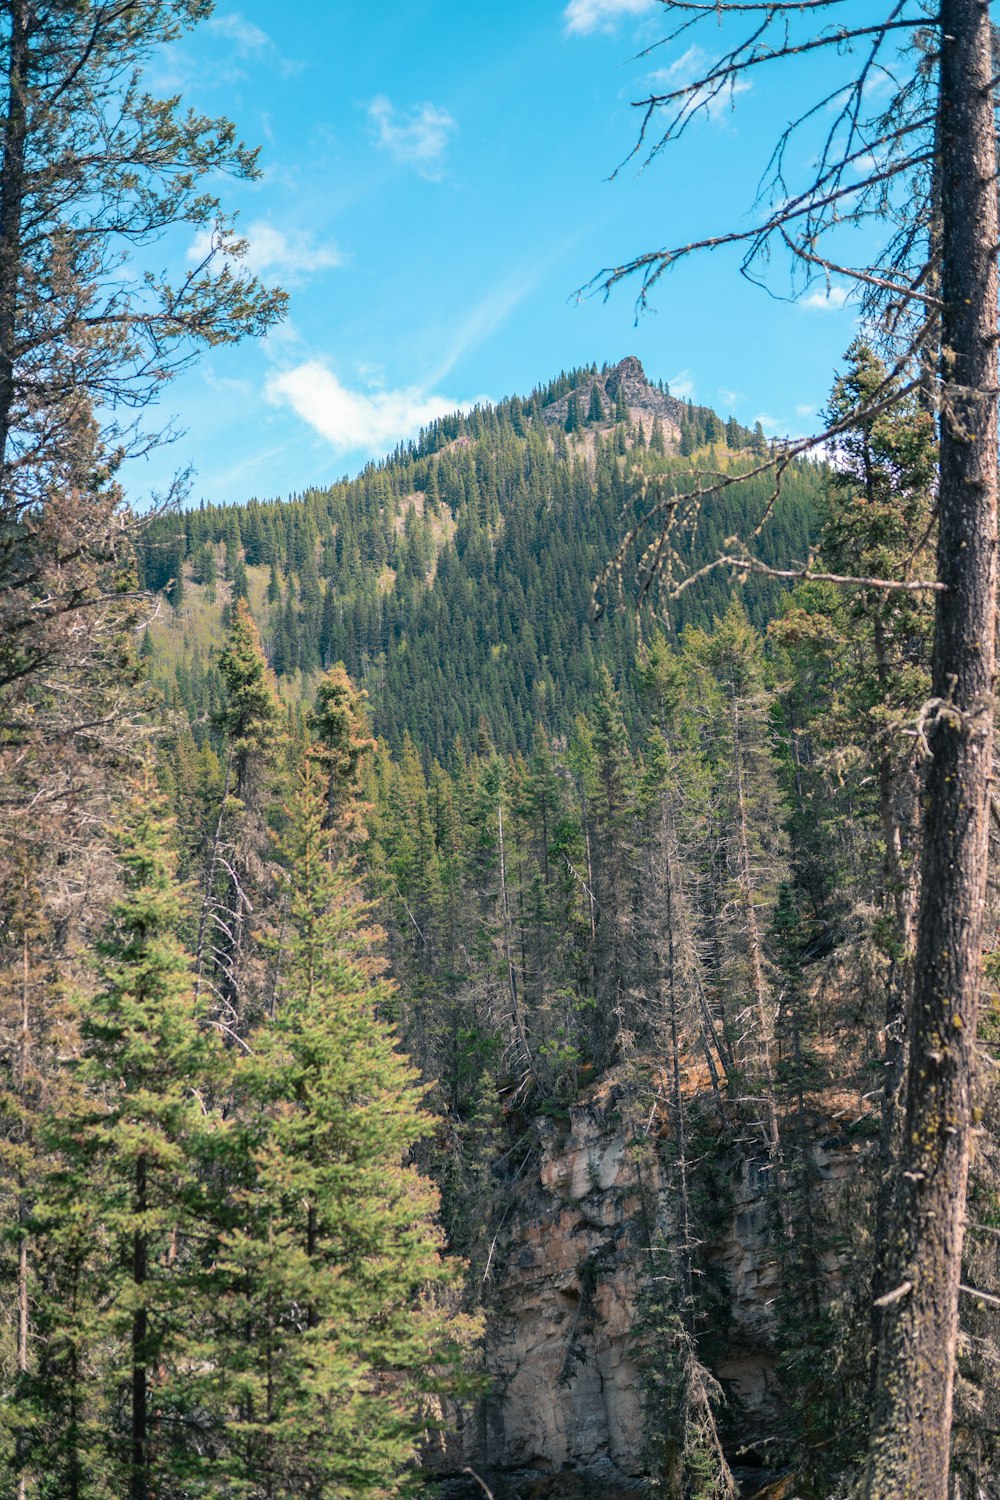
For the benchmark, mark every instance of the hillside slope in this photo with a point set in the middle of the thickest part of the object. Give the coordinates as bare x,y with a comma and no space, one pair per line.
454,578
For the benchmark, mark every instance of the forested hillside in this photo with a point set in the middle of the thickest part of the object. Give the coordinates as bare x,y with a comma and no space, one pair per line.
454,579
500,954
661,860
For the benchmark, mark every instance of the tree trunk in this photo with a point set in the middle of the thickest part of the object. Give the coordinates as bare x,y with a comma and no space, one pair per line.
678,1125
909,1446
139,1486
516,1015
759,988
22,1214
15,135
897,813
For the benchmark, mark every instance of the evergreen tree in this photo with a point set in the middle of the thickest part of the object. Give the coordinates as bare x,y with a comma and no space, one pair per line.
250,717
343,739
124,1217
236,863
751,862
337,1324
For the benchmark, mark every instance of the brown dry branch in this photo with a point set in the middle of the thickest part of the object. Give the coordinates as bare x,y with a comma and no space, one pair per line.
888,393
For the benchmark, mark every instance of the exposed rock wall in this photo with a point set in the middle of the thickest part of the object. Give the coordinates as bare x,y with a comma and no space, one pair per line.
645,402
566,1415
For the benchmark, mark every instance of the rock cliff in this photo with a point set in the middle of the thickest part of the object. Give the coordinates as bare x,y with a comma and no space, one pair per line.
566,1416
627,379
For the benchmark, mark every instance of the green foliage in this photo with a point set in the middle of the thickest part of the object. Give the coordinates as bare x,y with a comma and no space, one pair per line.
453,580
653,873
250,715
337,1322
126,1214
239,1284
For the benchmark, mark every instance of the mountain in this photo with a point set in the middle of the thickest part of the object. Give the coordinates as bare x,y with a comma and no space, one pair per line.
643,885
454,578
624,385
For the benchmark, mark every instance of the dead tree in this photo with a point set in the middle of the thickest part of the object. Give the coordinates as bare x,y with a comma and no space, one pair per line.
925,166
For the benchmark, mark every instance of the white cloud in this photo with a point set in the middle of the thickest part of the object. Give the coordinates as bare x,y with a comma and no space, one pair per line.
248,41
287,254
419,136
804,410
687,69
585,16
826,299
681,385
246,37
353,421
769,424
729,398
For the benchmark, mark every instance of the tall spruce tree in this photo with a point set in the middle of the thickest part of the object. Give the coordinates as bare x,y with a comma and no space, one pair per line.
750,860
250,722
337,1324
123,1218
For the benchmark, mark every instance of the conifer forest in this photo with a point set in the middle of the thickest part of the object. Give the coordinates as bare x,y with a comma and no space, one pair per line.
500,950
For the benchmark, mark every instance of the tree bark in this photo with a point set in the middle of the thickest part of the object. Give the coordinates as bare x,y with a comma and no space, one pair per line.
755,956
910,1437
22,1214
898,816
139,1487
12,172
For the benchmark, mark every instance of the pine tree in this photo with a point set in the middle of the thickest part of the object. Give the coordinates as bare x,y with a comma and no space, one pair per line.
332,1281
612,807
343,739
752,852
123,1217
251,715
236,863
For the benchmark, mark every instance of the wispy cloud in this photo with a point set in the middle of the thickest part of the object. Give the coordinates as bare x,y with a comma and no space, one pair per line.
250,41
245,35
419,136
489,314
681,385
769,423
826,299
287,254
585,16
350,420
687,69
728,397
805,410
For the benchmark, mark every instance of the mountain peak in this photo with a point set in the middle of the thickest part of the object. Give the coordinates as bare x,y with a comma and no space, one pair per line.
627,381
629,368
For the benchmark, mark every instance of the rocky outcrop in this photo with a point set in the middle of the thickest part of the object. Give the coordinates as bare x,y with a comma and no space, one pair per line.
566,1414
567,1397
645,402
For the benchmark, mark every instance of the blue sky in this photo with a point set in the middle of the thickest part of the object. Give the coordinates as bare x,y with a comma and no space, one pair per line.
434,191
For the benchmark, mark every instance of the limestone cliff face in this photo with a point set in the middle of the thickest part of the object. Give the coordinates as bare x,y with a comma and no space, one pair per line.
565,1416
